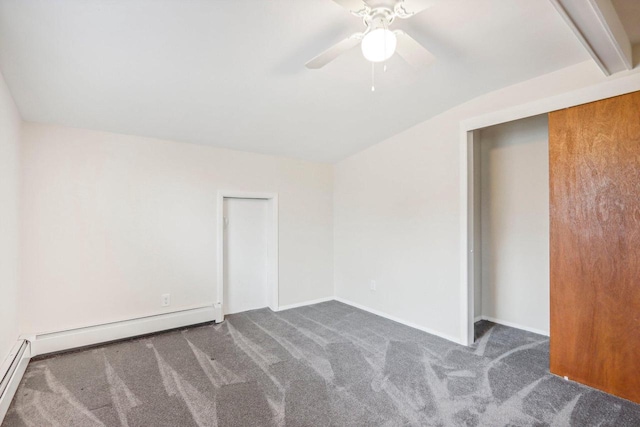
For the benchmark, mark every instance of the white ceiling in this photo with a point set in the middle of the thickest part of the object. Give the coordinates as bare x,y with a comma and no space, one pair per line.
230,73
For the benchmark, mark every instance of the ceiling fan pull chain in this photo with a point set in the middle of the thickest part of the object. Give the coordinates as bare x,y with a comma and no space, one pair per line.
373,77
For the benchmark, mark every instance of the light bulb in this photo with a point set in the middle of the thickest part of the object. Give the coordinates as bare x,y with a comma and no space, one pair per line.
379,45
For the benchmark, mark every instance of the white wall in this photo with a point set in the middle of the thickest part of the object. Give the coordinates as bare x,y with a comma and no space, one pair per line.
514,188
10,124
111,222
398,206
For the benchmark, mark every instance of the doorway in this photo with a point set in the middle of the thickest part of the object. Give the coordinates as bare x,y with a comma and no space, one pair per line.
245,255
247,252
510,185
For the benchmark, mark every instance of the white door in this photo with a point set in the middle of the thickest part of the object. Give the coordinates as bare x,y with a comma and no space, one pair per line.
245,254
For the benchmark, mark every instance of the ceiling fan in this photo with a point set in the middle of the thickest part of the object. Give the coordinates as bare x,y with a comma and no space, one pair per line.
378,42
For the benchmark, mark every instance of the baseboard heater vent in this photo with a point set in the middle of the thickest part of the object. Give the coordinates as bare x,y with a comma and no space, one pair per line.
10,366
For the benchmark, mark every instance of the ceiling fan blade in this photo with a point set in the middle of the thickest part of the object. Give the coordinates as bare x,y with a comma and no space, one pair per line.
354,6
334,51
412,51
407,8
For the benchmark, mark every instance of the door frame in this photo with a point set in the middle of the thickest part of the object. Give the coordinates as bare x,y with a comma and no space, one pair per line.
272,247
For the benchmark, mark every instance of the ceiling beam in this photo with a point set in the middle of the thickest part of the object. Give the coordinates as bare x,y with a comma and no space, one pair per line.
598,27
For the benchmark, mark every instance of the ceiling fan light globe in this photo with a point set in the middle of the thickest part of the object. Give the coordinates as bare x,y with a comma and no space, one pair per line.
379,45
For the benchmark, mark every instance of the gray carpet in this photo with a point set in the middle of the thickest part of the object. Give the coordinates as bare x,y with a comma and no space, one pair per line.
327,364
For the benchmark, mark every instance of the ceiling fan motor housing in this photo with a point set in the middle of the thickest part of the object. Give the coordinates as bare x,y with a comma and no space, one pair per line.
380,17
390,8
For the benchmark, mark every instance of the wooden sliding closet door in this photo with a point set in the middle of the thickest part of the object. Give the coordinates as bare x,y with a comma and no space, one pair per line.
594,163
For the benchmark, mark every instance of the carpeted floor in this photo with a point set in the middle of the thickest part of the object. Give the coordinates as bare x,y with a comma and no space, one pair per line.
327,364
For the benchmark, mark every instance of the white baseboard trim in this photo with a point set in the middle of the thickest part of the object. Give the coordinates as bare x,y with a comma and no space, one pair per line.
302,304
515,325
398,320
477,319
66,340
14,377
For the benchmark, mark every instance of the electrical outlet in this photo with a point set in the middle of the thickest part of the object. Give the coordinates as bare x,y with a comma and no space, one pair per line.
373,285
165,300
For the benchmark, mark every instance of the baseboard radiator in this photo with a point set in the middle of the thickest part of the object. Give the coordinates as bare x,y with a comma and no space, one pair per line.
12,366
11,373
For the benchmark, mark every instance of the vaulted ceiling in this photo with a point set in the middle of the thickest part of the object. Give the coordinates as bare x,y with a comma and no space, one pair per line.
230,73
